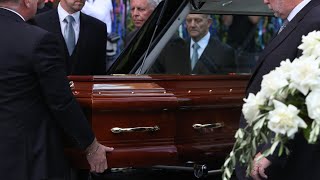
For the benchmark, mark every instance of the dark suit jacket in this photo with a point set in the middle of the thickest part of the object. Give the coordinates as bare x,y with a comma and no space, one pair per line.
217,58
47,7
303,162
89,56
35,103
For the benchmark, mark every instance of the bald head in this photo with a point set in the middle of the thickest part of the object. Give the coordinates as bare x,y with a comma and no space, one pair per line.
282,8
26,8
198,25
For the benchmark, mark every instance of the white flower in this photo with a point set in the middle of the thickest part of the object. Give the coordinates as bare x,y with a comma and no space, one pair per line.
313,105
267,111
273,82
311,44
250,108
285,68
305,75
284,119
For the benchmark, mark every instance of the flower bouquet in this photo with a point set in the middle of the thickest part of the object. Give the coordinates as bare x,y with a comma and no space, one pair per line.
288,102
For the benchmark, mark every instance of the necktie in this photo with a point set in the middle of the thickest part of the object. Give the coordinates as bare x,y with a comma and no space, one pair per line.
195,55
69,34
284,24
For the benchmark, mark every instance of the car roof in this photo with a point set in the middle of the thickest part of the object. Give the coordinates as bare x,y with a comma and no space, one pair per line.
244,7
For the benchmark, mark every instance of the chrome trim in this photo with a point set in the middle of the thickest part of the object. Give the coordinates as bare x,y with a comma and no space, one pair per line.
203,126
117,130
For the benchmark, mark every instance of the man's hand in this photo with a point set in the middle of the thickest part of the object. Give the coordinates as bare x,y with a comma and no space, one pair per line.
97,157
259,166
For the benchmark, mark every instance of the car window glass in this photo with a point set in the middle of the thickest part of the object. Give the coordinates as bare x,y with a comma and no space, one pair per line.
228,44
145,38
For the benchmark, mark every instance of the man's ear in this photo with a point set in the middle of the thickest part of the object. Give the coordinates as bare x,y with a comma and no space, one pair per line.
27,3
210,21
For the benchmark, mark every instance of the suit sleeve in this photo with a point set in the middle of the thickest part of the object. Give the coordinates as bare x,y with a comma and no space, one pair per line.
100,64
50,71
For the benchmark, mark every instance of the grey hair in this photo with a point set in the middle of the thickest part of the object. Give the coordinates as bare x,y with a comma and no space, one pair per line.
207,16
154,3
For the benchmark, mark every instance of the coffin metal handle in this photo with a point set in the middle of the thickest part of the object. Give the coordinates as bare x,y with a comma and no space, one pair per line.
71,84
203,126
118,130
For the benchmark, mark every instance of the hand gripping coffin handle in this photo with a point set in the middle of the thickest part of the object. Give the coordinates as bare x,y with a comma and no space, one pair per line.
117,130
203,126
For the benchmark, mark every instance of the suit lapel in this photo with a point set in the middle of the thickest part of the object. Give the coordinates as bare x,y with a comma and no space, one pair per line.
275,42
206,60
55,22
83,31
188,64
55,27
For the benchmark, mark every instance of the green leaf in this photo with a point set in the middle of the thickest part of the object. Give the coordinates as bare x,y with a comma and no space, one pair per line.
264,137
233,158
254,145
287,151
266,153
306,132
281,149
273,147
228,173
258,125
226,162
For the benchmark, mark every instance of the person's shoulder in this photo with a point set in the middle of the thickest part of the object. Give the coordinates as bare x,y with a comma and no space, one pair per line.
34,30
213,41
35,36
310,19
315,11
92,21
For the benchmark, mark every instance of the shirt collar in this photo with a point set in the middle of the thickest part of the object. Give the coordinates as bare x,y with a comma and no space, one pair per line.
203,41
63,14
297,9
14,12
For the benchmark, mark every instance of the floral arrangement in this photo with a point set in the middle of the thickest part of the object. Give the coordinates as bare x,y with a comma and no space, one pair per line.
287,103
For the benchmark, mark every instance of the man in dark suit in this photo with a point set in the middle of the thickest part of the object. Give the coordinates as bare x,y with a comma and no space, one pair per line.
88,56
36,102
303,161
210,57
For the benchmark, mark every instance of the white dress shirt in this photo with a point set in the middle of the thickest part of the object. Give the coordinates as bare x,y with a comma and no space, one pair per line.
298,8
76,24
202,43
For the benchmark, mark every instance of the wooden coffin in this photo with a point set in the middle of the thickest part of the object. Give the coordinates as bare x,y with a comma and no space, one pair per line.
161,120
